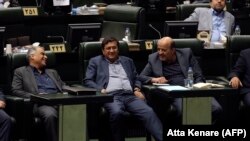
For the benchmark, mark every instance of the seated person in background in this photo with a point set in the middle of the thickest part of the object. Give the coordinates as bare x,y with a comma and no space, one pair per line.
170,65
8,3
240,78
116,75
218,22
36,79
5,121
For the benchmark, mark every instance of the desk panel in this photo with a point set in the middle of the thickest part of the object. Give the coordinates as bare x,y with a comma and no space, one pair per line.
72,113
196,102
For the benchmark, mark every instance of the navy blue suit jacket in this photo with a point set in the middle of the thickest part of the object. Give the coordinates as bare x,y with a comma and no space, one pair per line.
185,58
97,73
242,70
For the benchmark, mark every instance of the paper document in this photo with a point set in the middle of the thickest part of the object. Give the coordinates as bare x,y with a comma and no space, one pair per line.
160,84
173,87
61,2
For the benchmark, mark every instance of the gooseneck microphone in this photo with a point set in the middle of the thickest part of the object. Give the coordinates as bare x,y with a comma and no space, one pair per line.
57,37
159,33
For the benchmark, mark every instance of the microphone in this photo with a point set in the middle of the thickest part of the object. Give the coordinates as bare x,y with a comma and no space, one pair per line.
159,33
57,37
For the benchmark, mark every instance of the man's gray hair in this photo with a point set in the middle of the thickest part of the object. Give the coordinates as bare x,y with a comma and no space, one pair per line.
31,51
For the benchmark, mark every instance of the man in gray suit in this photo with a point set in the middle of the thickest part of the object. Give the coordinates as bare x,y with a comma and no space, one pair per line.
215,20
170,65
36,79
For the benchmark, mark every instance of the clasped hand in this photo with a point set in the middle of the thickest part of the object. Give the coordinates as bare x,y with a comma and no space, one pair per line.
160,80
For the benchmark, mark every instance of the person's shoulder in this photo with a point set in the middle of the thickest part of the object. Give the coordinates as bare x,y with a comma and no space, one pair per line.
96,58
152,55
183,49
246,51
229,14
21,68
202,9
187,51
124,57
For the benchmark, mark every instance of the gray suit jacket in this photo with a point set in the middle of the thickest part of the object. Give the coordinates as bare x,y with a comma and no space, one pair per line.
185,58
97,73
204,17
24,83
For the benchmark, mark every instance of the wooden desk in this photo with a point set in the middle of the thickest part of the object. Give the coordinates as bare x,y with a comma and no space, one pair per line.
196,102
72,113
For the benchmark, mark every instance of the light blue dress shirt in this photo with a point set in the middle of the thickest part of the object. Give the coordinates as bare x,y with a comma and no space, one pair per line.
118,79
219,27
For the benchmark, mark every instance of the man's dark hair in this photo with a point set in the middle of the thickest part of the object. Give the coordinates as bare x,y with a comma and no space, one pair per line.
109,39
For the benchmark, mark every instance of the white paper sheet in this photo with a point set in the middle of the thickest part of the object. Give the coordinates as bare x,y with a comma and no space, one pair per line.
61,2
173,87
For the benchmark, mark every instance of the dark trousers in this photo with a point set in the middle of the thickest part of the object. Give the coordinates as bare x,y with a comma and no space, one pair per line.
49,116
216,108
137,107
246,108
177,105
5,126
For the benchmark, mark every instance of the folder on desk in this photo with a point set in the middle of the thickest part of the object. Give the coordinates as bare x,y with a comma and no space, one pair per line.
80,90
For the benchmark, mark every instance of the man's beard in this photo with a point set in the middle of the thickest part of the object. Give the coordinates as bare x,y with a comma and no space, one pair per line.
218,10
171,56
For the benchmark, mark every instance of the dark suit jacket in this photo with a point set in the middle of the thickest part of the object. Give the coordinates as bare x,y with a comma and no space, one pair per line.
242,70
97,73
1,95
185,58
24,82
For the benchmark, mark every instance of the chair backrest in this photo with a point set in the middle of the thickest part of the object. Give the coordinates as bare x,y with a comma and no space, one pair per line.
15,12
87,50
235,45
17,60
118,17
184,10
193,43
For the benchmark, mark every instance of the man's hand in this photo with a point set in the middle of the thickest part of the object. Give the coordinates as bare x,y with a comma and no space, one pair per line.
160,80
103,91
2,104
139,95
235,82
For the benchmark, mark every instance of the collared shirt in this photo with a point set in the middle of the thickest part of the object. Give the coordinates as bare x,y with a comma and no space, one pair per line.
219,27
173,73
118,79
44,83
